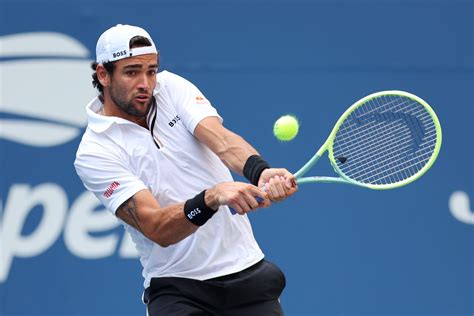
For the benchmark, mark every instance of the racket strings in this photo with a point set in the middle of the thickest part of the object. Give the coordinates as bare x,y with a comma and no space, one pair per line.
391,159
404,148
358,145
386,140
398,134
407,168
356,140
361,132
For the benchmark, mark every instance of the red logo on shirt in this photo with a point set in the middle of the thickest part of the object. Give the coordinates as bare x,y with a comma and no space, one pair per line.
201,100
112,187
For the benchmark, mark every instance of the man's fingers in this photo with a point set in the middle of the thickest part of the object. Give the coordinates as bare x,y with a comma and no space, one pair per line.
243,197
290,181
280,187
271,189
261,197
284,185
249,198
276,191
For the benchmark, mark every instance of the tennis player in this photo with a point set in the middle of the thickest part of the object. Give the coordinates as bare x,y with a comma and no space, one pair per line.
156,154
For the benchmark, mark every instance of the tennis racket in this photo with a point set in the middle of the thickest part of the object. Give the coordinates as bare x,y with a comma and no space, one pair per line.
385,140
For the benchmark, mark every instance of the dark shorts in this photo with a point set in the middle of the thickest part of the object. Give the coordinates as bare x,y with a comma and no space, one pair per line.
253,291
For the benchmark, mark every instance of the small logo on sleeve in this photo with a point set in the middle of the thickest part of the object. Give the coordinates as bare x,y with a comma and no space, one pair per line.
201,100
110,190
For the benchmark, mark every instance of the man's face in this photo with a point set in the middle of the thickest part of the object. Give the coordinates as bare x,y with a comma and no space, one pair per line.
132,83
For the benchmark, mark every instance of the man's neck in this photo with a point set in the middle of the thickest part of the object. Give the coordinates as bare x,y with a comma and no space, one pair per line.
111,109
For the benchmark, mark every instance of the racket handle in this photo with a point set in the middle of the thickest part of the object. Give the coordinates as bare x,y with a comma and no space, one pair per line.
233,212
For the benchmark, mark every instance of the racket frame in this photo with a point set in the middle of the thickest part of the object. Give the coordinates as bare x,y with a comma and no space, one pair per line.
328,146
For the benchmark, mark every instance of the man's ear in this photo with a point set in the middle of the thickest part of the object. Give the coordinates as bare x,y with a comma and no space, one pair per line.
102,75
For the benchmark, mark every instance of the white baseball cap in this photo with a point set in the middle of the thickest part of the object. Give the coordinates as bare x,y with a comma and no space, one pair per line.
114,44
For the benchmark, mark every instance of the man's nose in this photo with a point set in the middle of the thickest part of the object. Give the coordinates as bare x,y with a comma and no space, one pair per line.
143,82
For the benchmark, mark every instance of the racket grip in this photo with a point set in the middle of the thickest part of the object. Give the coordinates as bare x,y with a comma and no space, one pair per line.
233,212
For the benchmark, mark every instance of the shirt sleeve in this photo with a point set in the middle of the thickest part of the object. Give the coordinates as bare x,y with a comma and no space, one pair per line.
105,174
191,105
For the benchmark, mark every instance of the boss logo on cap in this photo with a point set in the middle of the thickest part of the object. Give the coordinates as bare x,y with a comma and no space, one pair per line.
119,54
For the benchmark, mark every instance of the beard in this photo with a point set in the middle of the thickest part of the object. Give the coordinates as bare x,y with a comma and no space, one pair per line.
119,96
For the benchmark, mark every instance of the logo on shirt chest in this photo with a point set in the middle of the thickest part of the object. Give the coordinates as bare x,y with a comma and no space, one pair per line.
175,120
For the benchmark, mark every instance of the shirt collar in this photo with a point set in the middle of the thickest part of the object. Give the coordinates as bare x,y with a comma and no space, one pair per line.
97,122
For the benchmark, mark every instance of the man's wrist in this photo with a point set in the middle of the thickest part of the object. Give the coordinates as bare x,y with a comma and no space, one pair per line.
197,211
211,200
253,168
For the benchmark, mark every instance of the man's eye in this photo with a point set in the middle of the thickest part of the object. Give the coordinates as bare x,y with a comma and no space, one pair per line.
131,73
152,72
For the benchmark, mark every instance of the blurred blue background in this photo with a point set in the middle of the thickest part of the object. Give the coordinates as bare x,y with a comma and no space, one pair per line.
345,250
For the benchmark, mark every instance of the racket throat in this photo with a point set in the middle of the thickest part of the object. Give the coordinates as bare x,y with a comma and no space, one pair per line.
313,159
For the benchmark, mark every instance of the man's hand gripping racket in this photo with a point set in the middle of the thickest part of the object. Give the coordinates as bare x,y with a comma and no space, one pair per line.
383,141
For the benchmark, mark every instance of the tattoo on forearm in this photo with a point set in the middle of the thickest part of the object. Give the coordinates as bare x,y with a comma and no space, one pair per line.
128,212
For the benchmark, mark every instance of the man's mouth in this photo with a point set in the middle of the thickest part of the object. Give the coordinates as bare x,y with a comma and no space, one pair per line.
142,98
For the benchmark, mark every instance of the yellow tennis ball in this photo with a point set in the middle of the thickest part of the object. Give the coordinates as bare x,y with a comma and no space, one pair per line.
286,128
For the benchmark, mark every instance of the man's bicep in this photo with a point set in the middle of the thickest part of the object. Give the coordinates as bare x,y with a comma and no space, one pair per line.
139,211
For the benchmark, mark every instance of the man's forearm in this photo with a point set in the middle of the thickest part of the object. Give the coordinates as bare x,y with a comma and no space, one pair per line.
231,148
235,152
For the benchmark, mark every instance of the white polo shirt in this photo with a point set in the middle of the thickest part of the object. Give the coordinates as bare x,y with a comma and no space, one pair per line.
117,158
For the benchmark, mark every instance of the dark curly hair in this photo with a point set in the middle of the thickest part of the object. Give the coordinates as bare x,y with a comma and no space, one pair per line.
137,41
